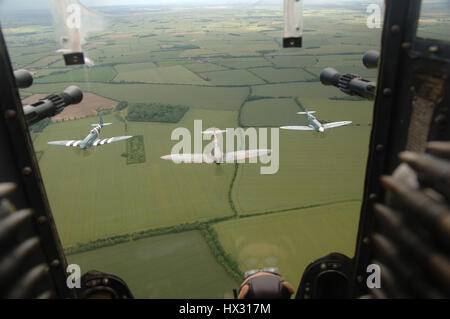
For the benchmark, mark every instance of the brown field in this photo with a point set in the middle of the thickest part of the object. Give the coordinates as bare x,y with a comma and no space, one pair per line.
44,62
188,33
88,107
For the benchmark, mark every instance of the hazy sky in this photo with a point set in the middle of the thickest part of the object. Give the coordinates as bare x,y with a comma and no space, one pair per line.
7,5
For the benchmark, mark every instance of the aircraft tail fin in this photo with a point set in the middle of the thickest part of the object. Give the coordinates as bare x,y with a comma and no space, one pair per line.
213,131
307,112
101,123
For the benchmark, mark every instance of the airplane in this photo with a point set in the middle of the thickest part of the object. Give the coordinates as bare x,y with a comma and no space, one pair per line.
314,124
216,155
92,139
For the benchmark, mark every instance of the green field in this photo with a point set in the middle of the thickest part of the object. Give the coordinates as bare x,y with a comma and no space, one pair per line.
173,266
135,150
291,240
172,74
271,112
232,77
204,67
272,75
129,198
213,98
313,168
94,74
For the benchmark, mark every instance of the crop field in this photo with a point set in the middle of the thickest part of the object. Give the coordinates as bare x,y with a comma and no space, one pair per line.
129,198
284,75
204,67
130,67
216,98
120,208
173,266
291,240
95,74
312,169
135,150
301,90
232,77
176,74
270,112
243,63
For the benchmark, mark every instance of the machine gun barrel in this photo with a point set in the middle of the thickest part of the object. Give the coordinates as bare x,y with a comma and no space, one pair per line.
408,274
24,79
436,264
370,59
52,104
428,211
350,84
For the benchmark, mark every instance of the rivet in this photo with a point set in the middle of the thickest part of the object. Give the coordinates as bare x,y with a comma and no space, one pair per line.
441,119
373,196
105,281
379,147
42,219
323,266
366,240
395,28
433,49
27,170
387,92
55,263
9,114
406,45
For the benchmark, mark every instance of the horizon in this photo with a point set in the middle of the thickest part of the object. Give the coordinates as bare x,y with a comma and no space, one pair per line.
8,6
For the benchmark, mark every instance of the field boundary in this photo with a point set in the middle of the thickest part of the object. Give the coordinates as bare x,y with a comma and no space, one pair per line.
208,233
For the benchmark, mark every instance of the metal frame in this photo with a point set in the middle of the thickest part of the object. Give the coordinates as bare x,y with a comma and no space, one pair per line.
402,55
19,165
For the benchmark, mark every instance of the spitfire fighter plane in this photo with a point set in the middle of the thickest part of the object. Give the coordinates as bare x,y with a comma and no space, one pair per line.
216,156
314,124
92,139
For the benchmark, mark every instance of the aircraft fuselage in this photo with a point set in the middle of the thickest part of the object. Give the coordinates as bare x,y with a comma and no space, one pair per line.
91,138
315,123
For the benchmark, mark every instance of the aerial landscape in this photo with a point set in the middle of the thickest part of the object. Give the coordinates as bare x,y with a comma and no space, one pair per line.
121,209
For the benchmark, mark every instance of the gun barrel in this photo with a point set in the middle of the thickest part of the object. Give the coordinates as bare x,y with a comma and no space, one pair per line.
350,84
24,79
52,104
370,59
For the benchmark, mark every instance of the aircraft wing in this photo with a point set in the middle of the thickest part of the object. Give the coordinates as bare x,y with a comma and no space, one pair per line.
335,124
298,128
104,141
185,158
73,143
231,157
